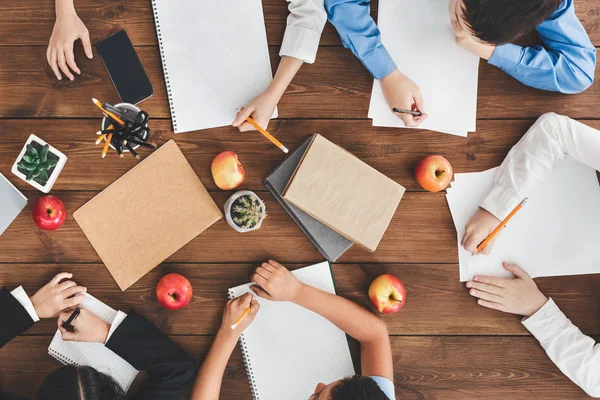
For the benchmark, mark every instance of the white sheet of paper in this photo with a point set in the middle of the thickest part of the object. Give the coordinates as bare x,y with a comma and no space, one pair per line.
420,39
12,203
215,59
555,234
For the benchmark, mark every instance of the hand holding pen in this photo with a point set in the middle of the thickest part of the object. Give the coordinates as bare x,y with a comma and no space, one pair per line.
84,326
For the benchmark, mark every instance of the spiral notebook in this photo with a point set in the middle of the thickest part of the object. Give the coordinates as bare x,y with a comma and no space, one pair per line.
288,349
215,59
94,355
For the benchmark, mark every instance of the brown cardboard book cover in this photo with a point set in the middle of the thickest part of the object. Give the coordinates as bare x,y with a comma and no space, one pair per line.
147,215
341,191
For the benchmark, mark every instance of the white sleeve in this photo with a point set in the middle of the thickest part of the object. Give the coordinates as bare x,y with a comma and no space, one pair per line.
575,354
530,161
115,324
20,295
304,27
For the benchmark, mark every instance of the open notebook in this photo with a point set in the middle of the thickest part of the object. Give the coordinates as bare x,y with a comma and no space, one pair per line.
215,58
288,350
420,39
556,233
94,355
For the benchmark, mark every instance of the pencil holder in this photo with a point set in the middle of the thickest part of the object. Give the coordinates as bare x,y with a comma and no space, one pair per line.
133,110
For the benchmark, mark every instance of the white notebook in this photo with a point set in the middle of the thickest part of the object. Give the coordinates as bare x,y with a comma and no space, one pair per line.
215,58
12,203
288,349
420,39
556,232
94,355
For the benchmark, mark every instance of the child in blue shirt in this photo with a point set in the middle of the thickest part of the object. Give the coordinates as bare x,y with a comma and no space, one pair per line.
564,63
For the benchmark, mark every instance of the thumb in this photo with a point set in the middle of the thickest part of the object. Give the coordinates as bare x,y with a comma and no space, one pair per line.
260,292
87,45
418,97
242,115
515,270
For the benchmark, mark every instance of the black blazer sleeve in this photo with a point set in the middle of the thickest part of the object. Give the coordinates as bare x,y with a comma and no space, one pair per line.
15,319
169,369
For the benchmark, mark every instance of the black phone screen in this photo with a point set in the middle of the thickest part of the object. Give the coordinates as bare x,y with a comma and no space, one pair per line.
124,68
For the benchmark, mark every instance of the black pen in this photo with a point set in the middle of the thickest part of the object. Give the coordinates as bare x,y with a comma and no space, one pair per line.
67,324
402,111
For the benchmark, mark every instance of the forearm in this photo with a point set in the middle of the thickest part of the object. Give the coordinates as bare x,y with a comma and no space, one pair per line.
287,70
210,378
531,161
353,319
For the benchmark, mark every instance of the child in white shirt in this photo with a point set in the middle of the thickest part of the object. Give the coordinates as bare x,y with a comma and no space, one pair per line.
530,161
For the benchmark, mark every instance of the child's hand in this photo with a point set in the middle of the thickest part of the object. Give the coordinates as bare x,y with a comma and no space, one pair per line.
276,282
67,29
261,109
519,295
88,327
478,228
55,296
401,92
234,309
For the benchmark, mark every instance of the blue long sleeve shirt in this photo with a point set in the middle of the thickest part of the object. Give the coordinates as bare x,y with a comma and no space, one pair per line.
565,63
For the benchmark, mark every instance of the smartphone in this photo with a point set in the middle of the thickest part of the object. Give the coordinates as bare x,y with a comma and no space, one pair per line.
124,68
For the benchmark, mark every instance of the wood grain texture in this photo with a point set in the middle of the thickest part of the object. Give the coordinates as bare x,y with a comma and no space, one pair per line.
107,16
394,152
413,236
437,303
497,368
337,86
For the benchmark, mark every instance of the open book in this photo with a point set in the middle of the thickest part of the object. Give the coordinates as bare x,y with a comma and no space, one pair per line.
288,349
94,355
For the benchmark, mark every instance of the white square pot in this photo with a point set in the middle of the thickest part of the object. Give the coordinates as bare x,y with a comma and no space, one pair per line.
62,160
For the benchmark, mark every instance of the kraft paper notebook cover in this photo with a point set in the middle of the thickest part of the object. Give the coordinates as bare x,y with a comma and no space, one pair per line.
336,188
147,215
329,243
288,349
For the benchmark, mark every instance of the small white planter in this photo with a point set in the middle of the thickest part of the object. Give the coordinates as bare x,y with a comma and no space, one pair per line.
229,203
62,160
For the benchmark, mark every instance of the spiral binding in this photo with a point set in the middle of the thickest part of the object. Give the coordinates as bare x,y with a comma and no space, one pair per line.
164,64
61,358
246,360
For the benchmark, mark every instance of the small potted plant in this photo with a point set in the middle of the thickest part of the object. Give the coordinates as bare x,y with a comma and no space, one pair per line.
39,164
245,211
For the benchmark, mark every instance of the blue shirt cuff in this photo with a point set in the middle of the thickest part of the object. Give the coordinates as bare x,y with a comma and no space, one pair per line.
379,63
506,57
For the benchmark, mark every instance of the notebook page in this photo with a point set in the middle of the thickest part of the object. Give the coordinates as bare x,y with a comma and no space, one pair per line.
556,233
215,58
420,39
12,203
95,355
288,349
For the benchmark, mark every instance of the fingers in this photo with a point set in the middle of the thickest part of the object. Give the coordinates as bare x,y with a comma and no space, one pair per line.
491,304
255,307
246,300
275,264
62,63
73,301
246,126
53,63
65,285
242,115
485,287
73,291
265,273
490,280
259,280
87,45
270,268
516,270
70,56
485,295
260,292
418,97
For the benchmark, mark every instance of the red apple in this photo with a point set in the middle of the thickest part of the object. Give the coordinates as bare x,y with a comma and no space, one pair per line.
434,173
174,291
227,171
387,293
49,213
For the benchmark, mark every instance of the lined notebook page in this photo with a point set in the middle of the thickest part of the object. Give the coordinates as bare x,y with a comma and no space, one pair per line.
288,349
94,355
215,58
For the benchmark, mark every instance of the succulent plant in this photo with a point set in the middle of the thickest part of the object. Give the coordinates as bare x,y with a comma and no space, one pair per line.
247,211
36,163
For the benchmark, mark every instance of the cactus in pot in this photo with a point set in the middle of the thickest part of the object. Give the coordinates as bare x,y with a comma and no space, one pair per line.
36,164
245,211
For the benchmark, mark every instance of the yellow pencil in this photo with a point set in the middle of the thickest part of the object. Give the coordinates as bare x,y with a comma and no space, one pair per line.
105,150
499,227
113,116
241,317
267,135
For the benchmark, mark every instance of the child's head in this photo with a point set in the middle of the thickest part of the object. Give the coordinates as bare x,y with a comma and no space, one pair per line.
504,21
78,383
354,388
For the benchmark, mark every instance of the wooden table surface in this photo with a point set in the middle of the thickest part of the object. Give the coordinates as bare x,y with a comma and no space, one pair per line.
445,345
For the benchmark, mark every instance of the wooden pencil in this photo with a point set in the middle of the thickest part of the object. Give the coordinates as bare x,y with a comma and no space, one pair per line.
267,135
501,225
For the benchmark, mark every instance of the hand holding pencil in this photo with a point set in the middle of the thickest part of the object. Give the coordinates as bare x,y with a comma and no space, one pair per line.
239,314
